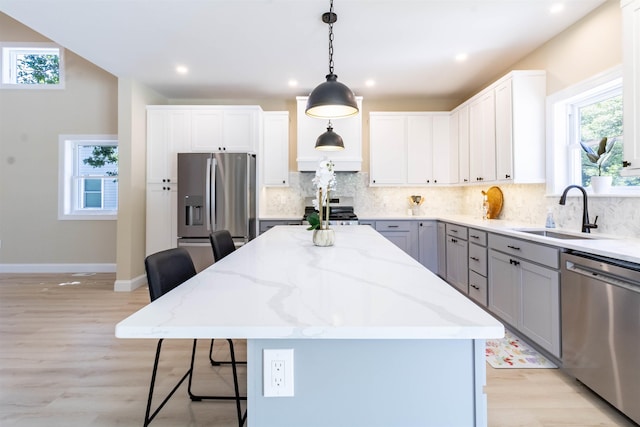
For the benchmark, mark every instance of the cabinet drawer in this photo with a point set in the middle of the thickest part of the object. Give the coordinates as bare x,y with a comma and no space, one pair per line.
478,237
478,259
478,288
393,225
534,252
458,231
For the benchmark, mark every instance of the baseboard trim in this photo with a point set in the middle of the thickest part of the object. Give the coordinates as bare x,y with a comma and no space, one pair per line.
57,268
130,285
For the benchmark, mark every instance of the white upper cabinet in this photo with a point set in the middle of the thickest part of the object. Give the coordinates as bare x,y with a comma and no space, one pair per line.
460,137
275,149
309,129
206,130
507,130
168,133
631,85
419,140
410,148
482,138
388,149
444,151
225,128
520,127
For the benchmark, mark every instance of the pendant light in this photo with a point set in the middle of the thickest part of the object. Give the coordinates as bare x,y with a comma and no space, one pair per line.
331,99
329,141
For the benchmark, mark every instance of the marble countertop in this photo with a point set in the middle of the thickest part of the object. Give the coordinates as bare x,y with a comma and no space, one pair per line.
596,243
282,286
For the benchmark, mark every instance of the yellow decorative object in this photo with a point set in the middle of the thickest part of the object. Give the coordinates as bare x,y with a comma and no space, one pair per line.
494,199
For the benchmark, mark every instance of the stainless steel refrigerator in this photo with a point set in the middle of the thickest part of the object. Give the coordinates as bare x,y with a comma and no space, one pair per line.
216,191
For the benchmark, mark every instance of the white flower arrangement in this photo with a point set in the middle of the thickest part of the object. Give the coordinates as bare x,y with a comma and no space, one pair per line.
325,182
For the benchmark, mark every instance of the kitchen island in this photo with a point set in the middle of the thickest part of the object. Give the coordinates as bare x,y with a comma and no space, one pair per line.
378,339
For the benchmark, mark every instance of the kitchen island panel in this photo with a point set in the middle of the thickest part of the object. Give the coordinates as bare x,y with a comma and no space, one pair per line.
374,383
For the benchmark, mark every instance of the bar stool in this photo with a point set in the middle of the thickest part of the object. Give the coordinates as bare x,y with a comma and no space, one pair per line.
167,270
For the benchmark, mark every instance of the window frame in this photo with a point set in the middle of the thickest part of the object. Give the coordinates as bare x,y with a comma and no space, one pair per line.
563,154
6,62
68,197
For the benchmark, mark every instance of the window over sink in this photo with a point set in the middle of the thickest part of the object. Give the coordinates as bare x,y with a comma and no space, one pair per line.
586,113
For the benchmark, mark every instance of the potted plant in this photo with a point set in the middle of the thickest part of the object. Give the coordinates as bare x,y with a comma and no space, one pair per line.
600,184
324,181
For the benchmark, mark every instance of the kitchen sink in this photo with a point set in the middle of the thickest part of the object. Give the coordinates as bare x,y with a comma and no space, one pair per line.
557,234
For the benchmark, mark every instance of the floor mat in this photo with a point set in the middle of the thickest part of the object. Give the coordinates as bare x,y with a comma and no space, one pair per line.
512,352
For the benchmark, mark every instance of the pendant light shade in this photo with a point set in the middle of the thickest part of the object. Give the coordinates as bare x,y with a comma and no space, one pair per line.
331,99
329,141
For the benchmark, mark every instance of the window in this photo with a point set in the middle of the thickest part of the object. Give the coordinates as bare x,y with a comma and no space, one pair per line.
32,66
88,184
583,115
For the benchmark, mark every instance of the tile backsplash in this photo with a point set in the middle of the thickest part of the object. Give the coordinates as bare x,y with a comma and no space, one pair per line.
525,203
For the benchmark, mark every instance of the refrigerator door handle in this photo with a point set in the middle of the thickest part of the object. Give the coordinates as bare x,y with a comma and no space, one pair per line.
212,165
207,192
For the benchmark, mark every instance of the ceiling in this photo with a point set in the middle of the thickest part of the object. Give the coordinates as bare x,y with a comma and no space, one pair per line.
251,49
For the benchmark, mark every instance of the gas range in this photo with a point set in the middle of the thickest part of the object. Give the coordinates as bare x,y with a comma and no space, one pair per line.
340,210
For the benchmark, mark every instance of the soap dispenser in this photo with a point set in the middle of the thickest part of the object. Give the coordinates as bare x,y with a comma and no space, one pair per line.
550,222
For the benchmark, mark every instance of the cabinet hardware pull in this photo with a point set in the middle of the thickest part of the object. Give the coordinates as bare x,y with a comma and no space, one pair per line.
515,248
474,236
507,176
474,287
625,164
474,258
454,230
392,226
454,240
513,262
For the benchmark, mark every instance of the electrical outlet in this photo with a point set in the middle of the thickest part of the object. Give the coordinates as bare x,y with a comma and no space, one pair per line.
277,365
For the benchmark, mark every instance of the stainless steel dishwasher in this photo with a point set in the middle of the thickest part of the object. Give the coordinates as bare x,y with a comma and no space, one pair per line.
600,299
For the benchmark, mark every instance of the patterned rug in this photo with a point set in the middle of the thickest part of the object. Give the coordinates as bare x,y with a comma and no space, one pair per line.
512,352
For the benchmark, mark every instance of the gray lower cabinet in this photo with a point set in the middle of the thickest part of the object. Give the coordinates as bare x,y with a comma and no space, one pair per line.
266,224
478,266
403,234
442,250
457,253
525,293
428,244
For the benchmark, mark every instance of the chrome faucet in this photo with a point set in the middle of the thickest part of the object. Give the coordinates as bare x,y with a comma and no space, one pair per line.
586,226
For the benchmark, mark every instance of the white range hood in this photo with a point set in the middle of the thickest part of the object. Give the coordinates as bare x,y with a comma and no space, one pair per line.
309,129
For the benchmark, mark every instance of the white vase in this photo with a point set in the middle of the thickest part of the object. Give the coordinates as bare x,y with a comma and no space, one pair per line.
326,237
601,184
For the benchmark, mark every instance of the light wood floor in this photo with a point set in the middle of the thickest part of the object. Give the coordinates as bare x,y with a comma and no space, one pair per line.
61,365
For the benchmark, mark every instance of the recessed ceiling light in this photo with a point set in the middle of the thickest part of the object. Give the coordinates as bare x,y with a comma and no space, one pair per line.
556,8
370,83
461,57
181,69
293,83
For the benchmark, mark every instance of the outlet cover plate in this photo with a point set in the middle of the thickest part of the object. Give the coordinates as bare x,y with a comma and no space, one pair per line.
277,368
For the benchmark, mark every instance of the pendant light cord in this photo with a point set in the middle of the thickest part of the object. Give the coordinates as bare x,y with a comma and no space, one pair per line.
331,20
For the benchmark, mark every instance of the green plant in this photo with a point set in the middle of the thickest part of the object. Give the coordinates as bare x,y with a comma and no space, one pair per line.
314,221
600,156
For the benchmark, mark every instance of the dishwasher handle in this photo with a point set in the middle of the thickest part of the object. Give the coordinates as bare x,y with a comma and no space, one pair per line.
601,276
